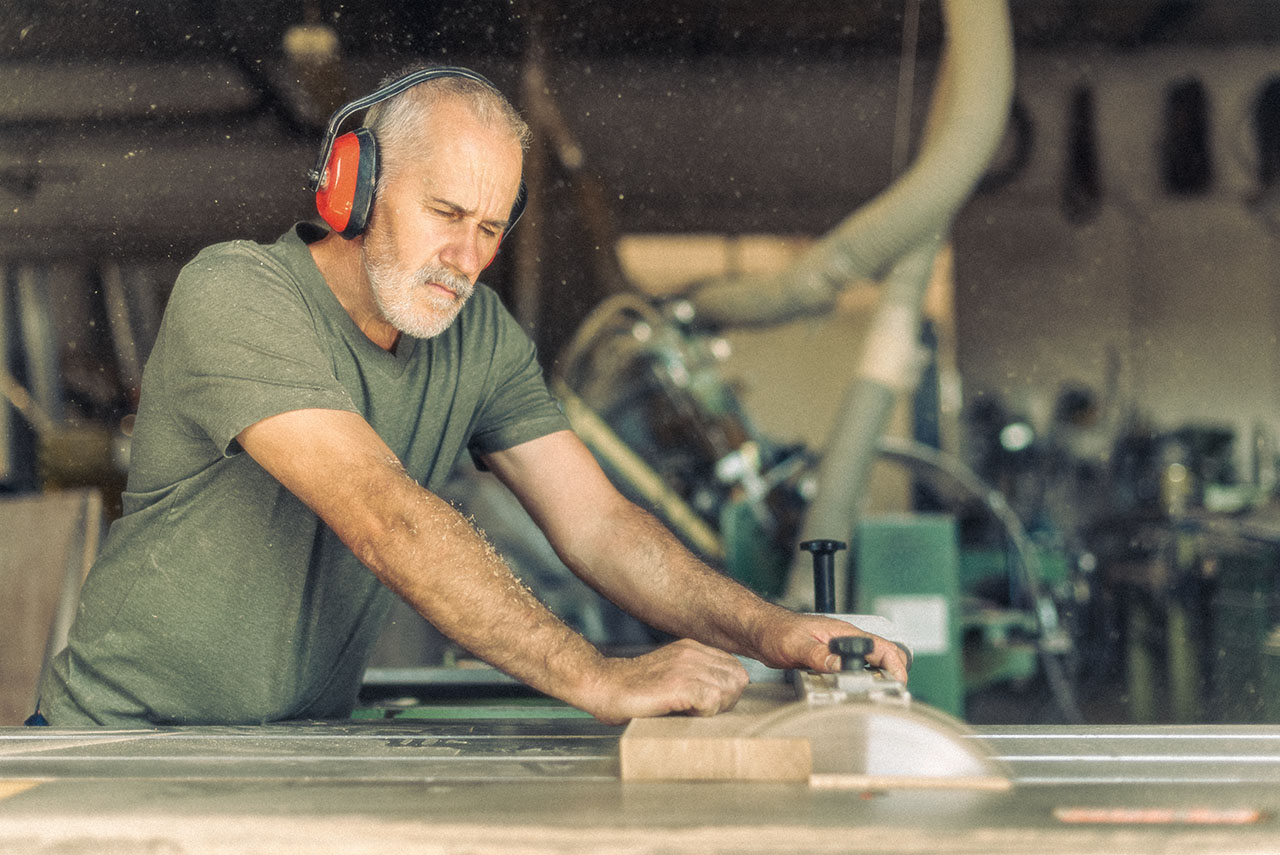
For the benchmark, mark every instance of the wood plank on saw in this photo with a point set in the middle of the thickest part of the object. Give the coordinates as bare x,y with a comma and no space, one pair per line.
716,748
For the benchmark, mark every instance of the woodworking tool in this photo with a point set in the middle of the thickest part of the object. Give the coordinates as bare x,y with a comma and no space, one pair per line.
865,731
863,728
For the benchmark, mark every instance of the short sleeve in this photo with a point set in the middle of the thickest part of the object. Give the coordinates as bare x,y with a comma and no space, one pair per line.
239,344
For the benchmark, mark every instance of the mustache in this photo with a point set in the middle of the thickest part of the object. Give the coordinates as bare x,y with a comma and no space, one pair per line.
436,274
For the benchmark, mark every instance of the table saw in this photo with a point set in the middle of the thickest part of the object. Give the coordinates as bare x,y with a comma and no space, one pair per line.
530,776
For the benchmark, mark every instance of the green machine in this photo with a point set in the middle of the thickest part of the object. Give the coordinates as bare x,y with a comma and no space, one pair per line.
906,567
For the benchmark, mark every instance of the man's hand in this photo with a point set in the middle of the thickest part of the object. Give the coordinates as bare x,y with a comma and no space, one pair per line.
793,640
682,677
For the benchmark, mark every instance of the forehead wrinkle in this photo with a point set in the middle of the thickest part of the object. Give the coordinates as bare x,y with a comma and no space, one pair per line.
465,211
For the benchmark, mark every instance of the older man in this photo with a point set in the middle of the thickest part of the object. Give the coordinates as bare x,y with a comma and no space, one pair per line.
303,401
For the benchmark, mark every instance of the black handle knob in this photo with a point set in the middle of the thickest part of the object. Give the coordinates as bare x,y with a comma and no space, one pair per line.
824,573
852,650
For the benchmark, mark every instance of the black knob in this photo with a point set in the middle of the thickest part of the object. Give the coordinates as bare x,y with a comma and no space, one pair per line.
852,650
824,573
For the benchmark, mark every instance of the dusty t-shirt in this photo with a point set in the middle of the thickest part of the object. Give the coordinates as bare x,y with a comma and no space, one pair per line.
219,597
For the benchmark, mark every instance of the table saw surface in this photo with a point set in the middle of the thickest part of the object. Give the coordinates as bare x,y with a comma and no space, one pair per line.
490,778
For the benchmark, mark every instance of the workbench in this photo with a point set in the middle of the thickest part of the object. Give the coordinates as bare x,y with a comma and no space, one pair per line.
490,779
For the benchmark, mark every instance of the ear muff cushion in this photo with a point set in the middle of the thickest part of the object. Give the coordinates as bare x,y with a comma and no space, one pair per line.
345,195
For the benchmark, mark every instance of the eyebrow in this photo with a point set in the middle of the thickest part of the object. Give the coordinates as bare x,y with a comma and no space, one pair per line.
454,207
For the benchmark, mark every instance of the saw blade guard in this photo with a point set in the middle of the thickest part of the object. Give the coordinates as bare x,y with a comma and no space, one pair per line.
872,745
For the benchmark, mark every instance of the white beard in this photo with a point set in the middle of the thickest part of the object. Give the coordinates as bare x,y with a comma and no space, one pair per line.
407,299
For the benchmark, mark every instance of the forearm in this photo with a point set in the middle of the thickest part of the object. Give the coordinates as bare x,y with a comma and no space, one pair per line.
638,564
648,572
428,553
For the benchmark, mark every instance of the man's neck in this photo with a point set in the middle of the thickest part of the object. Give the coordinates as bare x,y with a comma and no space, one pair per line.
339,262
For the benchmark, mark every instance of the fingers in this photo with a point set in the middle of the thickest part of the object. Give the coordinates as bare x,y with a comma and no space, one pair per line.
707,681
707,700
816,653
683,677
885,655
889,657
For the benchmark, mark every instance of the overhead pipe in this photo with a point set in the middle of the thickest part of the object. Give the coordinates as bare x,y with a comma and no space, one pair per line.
970,106
893,238
967,118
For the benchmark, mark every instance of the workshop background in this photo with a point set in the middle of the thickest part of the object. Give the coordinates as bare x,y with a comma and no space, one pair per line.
1079,521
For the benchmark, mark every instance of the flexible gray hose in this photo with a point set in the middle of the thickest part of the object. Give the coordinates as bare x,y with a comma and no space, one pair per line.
970,107
901,230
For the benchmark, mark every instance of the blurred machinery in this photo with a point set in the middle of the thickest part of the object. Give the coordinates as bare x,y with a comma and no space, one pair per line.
1090,558
641,381
1172,546
646,392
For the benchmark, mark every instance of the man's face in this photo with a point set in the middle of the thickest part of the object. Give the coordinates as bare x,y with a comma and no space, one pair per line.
438,220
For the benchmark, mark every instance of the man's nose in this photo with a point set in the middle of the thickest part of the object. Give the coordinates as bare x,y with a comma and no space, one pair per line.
463,253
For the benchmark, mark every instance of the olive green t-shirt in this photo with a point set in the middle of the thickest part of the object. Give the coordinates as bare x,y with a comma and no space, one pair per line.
219,597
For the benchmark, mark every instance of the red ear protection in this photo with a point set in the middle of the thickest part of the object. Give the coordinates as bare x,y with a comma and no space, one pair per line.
345,194
345,176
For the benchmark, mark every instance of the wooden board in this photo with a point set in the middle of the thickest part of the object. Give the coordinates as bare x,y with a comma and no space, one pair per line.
47,543
720,748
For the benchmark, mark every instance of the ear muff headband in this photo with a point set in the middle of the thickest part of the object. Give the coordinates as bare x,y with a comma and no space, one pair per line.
346,172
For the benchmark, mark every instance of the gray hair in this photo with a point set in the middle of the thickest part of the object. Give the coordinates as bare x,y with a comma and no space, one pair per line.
397,121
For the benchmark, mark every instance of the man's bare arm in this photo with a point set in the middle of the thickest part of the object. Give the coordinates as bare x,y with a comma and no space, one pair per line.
627,555
428,553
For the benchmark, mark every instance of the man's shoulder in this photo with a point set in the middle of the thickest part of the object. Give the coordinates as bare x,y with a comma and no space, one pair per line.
278,257
238,272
